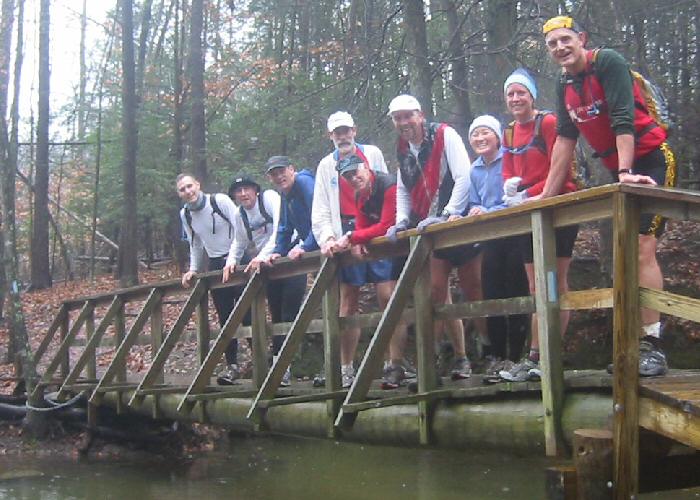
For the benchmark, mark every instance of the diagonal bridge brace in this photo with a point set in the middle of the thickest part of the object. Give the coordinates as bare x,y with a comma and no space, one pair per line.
307,312
227,332
372,360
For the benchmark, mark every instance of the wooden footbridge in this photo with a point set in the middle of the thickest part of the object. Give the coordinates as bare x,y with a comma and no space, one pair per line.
669,406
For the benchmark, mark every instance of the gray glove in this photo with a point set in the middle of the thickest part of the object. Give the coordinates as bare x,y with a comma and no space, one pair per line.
429,221
510,187
516,199
392,232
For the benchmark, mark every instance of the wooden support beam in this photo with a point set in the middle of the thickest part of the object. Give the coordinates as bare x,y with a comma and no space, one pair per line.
600,298
674,423
88,353
119,333
258,314
156,369
291,342
304,398
64,359
670,303
225,394
625,347
372,361
331,351
89,332
157,333
203,333
425,336
159,390
398,400
68,339
549,329
485,308
118,364
560,482
593,462
58,320
203,375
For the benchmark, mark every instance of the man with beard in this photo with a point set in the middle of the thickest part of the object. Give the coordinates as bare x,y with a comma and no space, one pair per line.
332,216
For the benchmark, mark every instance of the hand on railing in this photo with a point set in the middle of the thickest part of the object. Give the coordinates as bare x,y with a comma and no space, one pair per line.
516,199
296,253
429,221
187,278
228,271
392,232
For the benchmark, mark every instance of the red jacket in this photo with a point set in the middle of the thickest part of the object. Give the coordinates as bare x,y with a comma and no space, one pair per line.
375,210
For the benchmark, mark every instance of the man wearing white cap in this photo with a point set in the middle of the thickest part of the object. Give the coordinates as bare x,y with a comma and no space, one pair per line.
333,215
432,187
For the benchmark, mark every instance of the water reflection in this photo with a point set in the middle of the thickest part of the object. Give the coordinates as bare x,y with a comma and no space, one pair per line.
289,469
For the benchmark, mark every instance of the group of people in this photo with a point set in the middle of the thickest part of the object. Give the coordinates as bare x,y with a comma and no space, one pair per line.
352,198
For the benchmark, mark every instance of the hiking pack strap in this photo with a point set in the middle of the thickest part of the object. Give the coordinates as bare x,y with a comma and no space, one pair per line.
246,222
216,210
537,140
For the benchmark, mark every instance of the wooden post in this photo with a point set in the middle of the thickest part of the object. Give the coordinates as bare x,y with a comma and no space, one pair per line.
331,350
549,329
157,337
258,314
203,327
593,462
89,332
560,482
425,343
625,346
65,358
119,333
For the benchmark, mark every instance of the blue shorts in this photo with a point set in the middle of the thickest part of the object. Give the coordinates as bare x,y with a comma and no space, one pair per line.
376,271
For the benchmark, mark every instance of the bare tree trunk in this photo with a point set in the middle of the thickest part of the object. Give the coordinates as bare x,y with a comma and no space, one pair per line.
143,45
421,79
41,274
83,73
127,268
196,77
462,114
34,423
501,17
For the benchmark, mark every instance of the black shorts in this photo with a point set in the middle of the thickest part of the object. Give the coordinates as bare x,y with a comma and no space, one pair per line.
660,165
459,255
565,238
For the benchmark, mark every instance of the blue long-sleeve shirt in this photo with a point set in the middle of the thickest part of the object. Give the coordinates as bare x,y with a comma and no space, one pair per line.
295,215
486,189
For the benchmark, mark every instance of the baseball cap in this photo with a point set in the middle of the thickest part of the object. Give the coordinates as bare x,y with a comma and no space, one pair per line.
349,164
561,22
340,119
277,162
404,102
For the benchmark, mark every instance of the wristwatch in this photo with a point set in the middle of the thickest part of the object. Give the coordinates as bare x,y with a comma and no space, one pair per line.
446,214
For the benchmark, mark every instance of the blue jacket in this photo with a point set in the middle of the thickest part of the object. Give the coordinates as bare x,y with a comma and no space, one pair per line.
295,214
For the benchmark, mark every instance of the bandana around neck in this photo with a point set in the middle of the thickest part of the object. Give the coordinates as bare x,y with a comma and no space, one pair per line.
199,204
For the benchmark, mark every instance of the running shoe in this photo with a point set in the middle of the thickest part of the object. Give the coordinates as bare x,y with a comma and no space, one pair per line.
521,371
228,375
462,369
652,360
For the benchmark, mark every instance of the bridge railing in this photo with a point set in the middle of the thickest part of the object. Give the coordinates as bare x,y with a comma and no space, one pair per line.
622,203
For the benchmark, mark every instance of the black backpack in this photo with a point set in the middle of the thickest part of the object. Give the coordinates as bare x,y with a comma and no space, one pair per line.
263,212
214,210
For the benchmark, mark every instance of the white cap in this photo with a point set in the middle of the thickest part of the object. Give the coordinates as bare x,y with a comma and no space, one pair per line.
340,119
487,121
404,102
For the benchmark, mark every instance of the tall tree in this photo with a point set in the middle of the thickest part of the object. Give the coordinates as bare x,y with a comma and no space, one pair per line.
198,138
41,272
34,423
421,80
128,242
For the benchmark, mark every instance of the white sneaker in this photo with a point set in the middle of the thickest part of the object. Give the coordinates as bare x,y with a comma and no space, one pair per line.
348,375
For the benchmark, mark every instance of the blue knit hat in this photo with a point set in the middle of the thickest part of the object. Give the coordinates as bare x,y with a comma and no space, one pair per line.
524,78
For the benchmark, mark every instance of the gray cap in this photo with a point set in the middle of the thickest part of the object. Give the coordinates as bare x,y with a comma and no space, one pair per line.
277,162
349,164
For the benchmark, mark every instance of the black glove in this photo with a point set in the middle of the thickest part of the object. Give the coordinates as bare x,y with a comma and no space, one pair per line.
429,221
392,232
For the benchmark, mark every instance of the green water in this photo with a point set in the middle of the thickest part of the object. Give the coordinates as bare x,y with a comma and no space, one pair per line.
289,469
